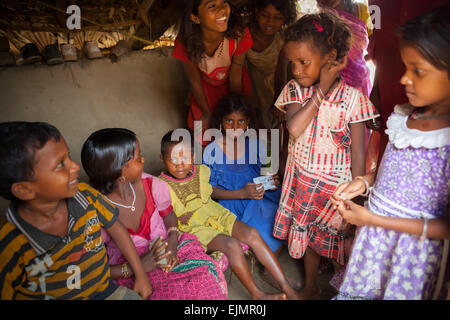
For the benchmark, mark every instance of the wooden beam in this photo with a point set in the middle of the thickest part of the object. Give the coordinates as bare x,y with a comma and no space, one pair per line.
108,27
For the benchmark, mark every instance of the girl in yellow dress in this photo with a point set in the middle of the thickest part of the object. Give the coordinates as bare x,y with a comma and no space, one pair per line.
215,227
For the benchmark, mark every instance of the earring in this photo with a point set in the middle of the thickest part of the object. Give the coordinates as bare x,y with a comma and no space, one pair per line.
122,179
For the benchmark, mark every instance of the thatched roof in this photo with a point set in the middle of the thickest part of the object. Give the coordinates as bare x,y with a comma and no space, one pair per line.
105,21
144,23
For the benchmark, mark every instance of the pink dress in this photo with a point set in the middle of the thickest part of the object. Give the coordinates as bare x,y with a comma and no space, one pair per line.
195,277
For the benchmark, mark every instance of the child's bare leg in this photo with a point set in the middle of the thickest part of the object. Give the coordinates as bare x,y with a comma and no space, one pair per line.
238,264
249,235
311,288
267,277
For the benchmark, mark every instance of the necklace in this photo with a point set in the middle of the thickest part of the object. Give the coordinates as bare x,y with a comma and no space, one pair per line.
123,206
417,115
205,57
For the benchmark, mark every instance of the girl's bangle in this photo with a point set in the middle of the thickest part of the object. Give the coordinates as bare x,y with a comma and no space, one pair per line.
317,91
367,191
314,101
125,271
424,230
172,229
321,92
318,97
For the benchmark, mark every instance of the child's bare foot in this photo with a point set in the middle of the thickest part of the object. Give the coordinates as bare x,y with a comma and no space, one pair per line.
269,296
292,294
309,292
267,277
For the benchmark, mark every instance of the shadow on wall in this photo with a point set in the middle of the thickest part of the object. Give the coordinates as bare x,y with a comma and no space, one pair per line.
144,92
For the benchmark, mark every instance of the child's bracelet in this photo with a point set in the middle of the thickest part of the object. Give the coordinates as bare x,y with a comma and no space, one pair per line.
314,101
367,191
317,91
424,230
238,64
125,271
172,229
321,92
318,97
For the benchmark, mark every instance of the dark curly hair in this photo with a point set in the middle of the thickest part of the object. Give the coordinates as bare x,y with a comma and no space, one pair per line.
288,9
191,35
232,102
430,35
19,142
325,30
104,154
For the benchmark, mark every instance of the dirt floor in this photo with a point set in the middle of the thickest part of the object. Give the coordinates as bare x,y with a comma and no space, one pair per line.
293,268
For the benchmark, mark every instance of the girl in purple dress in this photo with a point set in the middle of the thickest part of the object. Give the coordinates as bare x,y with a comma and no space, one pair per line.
399,251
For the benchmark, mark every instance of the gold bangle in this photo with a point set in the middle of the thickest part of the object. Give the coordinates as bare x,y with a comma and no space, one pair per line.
125,271
171,229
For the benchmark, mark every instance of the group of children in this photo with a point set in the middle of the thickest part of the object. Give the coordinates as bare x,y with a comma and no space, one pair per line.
130,235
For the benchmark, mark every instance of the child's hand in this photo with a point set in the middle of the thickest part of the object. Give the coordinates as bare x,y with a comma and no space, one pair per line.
184,219
152,259
251,191
347,191
354,213
330,72
172,258
142,286
276,181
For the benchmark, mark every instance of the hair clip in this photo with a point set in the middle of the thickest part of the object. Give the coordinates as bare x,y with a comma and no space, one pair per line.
318,26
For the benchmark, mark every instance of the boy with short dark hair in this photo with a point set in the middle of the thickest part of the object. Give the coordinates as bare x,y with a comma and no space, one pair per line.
50,242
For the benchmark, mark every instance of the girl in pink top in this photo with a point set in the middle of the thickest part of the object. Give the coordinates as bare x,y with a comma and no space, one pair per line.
112,159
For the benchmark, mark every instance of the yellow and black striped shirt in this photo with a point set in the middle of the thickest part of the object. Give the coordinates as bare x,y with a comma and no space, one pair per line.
37,265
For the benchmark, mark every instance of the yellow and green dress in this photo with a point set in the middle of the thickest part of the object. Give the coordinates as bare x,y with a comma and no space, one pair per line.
193,194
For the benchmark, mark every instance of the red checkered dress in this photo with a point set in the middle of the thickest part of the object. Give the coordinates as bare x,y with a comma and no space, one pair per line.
319,160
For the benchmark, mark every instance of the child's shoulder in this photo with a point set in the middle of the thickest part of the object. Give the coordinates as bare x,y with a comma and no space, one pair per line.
348,92
88,195
12,239
203,170
87,190
293,84
8,229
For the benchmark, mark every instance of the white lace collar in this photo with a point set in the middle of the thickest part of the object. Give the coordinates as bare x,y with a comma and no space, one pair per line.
402,136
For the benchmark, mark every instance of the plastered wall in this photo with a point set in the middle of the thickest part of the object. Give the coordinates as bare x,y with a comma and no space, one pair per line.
143,91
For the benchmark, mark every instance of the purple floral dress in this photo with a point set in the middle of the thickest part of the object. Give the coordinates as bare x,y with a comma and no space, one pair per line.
413,182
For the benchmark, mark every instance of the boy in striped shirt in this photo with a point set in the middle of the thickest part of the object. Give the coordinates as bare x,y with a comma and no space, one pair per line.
50,240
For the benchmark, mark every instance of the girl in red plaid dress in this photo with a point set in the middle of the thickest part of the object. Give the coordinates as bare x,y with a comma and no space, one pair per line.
325,119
